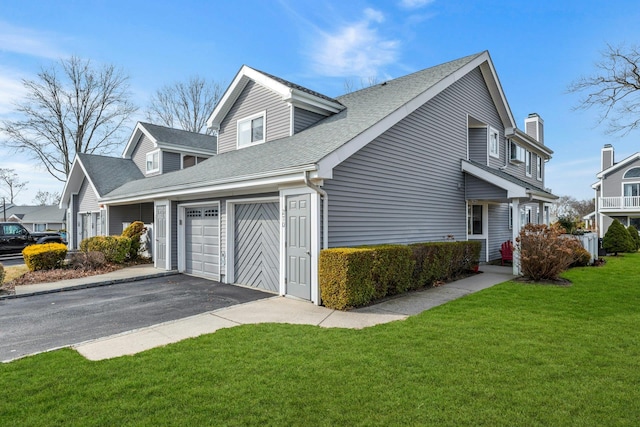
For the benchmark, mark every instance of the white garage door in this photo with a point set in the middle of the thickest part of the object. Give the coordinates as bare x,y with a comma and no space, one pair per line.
202,242
257,245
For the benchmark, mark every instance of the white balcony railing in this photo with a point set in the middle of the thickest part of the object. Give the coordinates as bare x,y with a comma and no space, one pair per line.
624,202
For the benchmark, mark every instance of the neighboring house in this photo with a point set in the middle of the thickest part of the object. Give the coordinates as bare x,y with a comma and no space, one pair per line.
36,218
431,156
617,191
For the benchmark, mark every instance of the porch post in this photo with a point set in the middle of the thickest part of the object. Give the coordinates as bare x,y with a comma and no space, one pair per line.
515,228
541,218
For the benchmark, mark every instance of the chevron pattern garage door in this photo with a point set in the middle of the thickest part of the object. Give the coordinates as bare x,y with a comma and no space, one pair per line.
257,245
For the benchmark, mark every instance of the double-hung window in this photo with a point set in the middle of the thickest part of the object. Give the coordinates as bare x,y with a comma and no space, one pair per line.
528,163
251,130
539,168
494,142
153,161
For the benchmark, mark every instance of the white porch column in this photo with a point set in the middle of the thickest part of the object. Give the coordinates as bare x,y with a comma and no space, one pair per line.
541,218
515,228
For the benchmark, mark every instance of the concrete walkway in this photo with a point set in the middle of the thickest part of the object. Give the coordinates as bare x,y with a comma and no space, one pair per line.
288,310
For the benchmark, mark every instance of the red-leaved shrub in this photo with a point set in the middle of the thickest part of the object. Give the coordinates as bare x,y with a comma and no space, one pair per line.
544,252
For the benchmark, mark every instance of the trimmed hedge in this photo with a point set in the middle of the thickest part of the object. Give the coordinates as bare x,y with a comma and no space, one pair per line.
115,248
353,277
443,261
44,257
345,277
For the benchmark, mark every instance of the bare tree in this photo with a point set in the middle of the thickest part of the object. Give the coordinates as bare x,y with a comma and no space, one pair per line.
185,105
350,86
13,186
569,206
614,88
71,107
45,198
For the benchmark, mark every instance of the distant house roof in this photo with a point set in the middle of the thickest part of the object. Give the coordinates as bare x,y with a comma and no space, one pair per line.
37,214
368,113
169,138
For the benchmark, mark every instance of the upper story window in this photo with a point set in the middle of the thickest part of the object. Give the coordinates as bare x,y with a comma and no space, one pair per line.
251,130
153,161
528,163
189,160
539,168
494,146
632,173
517,153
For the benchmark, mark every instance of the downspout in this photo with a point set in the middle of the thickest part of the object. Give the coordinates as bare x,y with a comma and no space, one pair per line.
325,209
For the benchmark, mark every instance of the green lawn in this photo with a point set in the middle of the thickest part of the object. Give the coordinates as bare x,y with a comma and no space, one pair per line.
515,354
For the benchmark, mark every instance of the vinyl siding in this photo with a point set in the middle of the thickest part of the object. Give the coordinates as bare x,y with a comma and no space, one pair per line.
88,201
612,183
478,145
254,99
139,155
403,186
519,171
302,119
170,161
129,213
477,189
499,231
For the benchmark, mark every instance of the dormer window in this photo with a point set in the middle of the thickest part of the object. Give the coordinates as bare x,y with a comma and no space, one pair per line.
153,161
251,130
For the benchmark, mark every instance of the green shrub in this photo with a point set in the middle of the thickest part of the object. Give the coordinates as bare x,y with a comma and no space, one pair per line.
617,239
115,248
635,237
2,274
44,257
568,223
134,232
392,269
443,261
345,277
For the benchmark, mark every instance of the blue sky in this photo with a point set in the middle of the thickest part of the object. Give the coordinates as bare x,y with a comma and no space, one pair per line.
538,48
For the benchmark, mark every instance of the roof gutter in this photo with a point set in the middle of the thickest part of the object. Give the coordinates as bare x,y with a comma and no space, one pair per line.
325,209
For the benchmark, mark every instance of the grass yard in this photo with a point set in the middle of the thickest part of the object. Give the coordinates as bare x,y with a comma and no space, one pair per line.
515,354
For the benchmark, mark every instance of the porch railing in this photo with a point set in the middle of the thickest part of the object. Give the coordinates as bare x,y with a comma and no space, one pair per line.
624,202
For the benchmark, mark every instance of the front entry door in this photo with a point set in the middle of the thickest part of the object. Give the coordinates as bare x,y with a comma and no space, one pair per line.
298,246
161,236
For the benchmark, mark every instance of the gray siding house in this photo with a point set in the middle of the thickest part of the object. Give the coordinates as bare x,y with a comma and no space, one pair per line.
36,218
435,155
617,191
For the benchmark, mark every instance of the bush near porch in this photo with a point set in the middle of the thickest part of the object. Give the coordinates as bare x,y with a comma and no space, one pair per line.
354,277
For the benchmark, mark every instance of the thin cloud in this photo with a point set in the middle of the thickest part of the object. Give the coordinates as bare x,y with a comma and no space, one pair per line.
26,41
414,4
11,89
355,49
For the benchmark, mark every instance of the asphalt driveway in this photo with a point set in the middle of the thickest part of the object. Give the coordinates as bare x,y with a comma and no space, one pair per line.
43,322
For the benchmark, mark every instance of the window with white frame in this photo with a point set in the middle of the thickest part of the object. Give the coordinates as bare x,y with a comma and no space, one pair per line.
475,225
517,153
39,227
539,168
153,161
251,130
528,163
494,145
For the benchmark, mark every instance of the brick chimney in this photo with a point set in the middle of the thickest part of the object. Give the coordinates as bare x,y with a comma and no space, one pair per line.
534,127
606,157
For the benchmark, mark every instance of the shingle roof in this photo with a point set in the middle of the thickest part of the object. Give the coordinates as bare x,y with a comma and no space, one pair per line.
108,173
183,138
511,178
298,87
364,108
37,214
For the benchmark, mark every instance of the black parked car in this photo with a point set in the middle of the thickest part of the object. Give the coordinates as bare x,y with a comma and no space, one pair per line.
14,237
